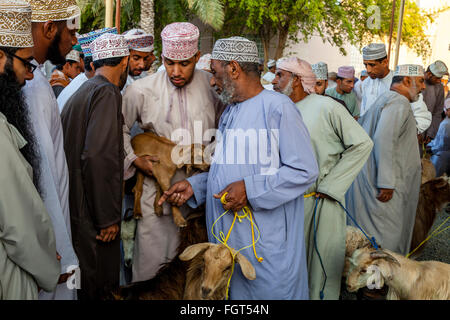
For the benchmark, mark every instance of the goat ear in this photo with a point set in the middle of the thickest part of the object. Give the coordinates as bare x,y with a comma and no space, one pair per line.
247,269
441,182
381,254
190,252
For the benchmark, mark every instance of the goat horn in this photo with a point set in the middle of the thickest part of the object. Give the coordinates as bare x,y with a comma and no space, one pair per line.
380,254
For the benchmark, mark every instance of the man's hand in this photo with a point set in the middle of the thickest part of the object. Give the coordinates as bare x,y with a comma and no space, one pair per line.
178,194
428,139
236,199
108,234
385,195
145,164
324,196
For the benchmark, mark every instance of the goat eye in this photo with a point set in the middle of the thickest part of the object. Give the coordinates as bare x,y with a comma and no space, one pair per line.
227,268
364,270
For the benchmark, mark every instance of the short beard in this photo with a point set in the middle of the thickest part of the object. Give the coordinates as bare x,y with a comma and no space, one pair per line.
288,89
413,93
14,108
53,53
228,91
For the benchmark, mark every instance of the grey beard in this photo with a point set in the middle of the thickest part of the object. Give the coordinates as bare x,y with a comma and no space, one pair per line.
227,93
288,89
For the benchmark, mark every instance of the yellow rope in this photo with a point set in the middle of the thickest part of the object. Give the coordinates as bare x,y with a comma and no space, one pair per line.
224,240
309,195
433,234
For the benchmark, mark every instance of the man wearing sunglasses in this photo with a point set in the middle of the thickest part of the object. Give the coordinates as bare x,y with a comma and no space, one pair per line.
28,259
54,26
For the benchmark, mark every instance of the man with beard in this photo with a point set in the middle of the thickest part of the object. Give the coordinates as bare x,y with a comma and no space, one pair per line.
85,40
272,185
384,196
54,24
28,258
93,140
341,148
433,95
141,53
176,100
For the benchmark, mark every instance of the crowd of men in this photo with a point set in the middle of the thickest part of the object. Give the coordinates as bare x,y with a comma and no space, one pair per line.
67,154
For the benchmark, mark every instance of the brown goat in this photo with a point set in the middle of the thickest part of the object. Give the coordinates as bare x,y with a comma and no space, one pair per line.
433,197
170,280
149,144
428,170
210,269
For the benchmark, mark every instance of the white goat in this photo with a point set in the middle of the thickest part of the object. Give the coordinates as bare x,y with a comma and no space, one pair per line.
210,269
407,279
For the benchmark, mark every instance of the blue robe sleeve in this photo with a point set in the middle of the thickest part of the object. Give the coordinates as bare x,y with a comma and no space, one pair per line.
199,185
298,167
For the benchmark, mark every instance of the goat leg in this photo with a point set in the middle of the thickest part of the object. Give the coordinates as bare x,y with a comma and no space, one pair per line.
158,209
137,190
178,217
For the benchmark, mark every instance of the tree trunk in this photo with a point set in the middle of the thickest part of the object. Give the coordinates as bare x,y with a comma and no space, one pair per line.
283,33
148,16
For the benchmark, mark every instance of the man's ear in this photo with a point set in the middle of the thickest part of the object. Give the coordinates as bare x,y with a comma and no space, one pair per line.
3,59
297,81
49,30
197,56
234,69
407,81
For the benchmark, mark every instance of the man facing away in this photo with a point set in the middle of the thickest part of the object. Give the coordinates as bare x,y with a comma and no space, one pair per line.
54,24
28,257
92,121
272,186
384,196
176,100
341,148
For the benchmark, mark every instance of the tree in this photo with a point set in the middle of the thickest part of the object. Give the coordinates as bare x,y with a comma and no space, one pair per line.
336,21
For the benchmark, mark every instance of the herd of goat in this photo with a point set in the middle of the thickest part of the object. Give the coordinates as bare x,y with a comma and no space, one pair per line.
200,270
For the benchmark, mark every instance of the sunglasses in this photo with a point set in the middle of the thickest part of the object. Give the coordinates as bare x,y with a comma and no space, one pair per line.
28,65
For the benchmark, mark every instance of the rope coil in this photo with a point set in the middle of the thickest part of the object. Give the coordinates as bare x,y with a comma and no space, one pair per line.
224,239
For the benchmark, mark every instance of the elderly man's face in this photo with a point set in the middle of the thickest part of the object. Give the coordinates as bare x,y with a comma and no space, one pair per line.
282,82
321,86
181,72
416,87
221,81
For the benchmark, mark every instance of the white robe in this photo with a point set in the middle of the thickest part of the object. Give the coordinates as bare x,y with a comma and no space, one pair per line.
68,91
421,114
372,89
160,107
54,178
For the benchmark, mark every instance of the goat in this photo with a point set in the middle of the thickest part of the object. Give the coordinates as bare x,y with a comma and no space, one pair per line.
433,197
210,269
428,170
169,282
354,240
149,144
407,279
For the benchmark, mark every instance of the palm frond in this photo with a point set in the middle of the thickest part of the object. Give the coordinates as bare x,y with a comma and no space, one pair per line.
211,12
